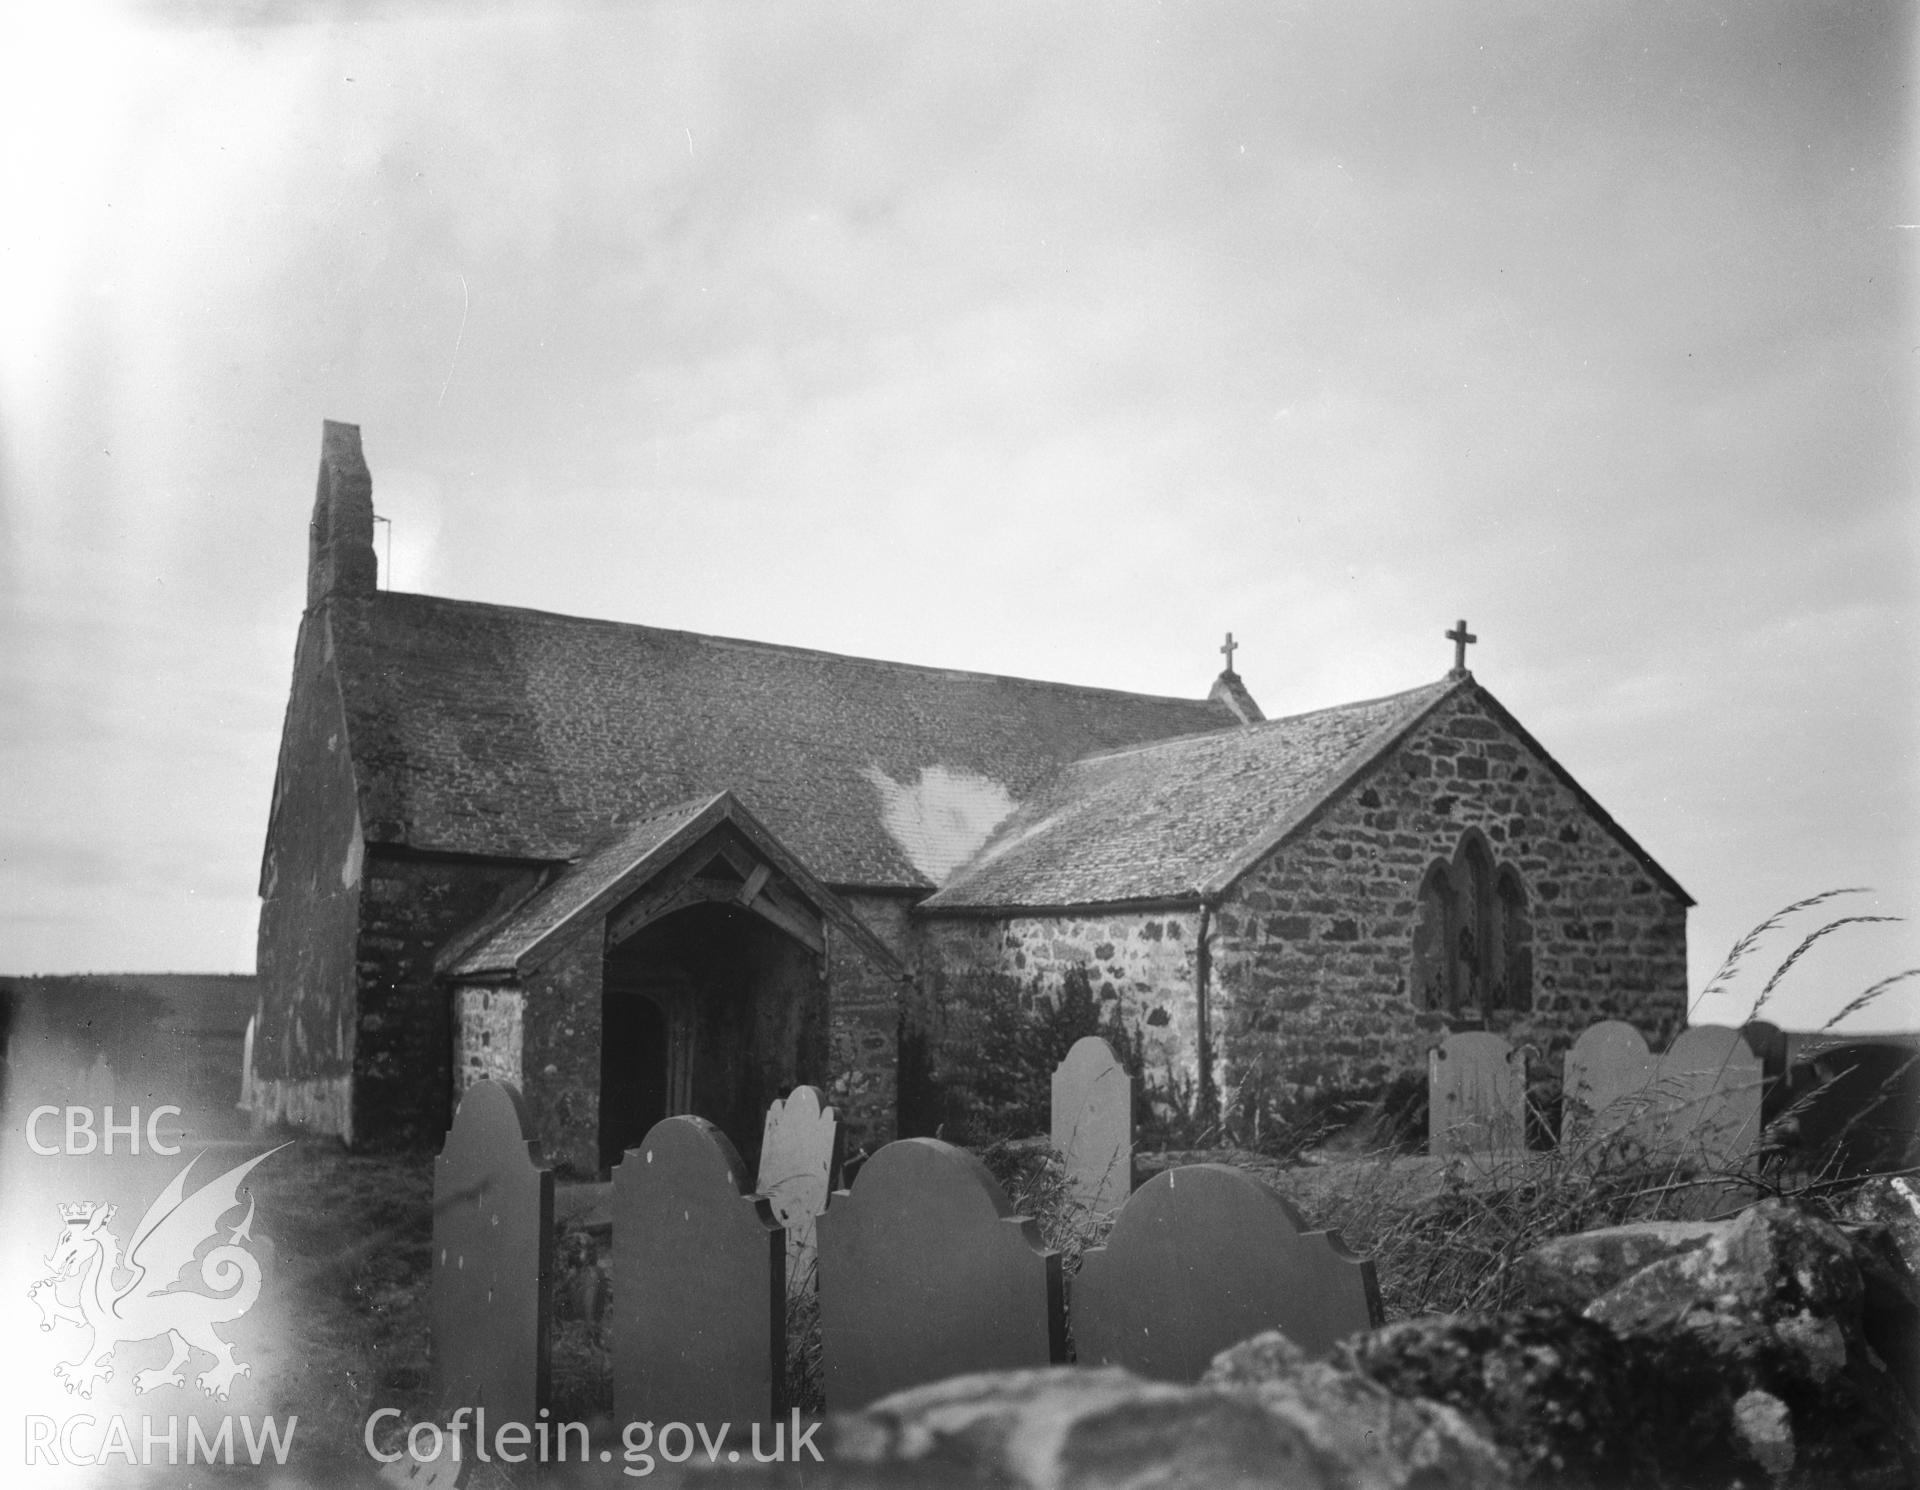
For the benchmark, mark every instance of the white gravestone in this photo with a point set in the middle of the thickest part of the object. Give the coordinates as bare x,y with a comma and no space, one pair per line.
1093,1125
1605,1086
1476,1095
799,1166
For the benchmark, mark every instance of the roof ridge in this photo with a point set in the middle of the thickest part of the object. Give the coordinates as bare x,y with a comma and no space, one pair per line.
1241,729
748,644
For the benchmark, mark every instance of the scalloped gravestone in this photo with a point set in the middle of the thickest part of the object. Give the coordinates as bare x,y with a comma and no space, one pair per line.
492,1261
1704,1101
1605,1081
1093,1125
1203,1257
799,1162
1476,1095
926,1272
699,1290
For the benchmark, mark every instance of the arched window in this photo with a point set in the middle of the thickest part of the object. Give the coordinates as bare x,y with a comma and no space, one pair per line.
1432,960
1472,936
1513,943
1473,924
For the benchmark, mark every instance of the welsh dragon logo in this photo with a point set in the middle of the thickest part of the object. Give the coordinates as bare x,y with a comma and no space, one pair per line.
85,1265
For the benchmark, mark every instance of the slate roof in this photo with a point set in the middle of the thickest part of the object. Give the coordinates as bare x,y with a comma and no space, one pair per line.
657,837
491,730
623,863
1179,819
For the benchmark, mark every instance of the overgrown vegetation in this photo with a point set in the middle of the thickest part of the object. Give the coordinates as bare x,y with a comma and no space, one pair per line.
984,1074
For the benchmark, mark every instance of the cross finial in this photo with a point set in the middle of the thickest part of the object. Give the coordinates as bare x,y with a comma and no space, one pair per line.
1460,637
1228,649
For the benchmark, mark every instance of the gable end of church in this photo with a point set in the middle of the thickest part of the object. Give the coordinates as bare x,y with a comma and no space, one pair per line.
1463,880
1445,874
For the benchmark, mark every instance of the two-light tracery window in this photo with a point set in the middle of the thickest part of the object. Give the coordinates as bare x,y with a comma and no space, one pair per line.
1473,937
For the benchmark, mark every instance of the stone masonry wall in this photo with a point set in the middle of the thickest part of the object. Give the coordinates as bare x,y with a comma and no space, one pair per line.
1143,961
560,1050
863,1030
403,1057
1313,947
310,887
487,1033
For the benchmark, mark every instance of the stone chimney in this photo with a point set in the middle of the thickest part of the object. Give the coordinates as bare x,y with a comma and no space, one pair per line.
340,557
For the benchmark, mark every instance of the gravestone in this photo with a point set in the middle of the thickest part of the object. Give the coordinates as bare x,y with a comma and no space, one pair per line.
799,1163
925,1273
1606,1076
1093,1125
1476,1095
699,1284
1704,1101
492,1261
1203,1257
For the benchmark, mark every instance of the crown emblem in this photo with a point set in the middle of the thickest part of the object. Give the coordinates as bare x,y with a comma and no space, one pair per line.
78,1211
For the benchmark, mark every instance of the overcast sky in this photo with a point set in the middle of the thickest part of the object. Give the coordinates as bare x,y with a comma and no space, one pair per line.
1052,340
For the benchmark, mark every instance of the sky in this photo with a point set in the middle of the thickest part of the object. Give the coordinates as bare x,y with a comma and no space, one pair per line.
1053,340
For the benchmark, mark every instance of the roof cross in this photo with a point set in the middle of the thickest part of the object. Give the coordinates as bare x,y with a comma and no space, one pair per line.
1460,637
1228,649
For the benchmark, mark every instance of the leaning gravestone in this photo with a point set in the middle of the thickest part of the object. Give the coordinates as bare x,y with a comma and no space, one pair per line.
1604,1087
1093,1125
1476,1095
925,1273
1704,1102
799,1163
699,1288
492,1261
1205,1256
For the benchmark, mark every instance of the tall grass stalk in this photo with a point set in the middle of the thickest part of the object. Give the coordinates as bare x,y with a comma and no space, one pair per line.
1747,943
1855,1005
1806,944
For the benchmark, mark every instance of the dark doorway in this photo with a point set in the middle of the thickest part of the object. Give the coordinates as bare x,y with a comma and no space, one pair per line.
634,1053
741,1017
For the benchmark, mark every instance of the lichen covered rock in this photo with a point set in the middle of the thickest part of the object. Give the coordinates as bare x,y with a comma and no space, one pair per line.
1566,1399
1570,1272
1757,1324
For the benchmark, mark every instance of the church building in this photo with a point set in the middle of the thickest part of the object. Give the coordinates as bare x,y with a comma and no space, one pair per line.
640,872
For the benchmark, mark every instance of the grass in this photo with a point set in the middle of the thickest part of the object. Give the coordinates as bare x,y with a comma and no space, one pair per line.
351,1238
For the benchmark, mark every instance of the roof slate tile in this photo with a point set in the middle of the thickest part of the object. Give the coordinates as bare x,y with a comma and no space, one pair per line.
486,729
1172,820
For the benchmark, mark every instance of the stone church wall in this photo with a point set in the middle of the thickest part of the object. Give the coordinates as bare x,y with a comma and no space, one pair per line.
560,1049
1314,946
410,908
488,1024
863,1029
310,888
1140,962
